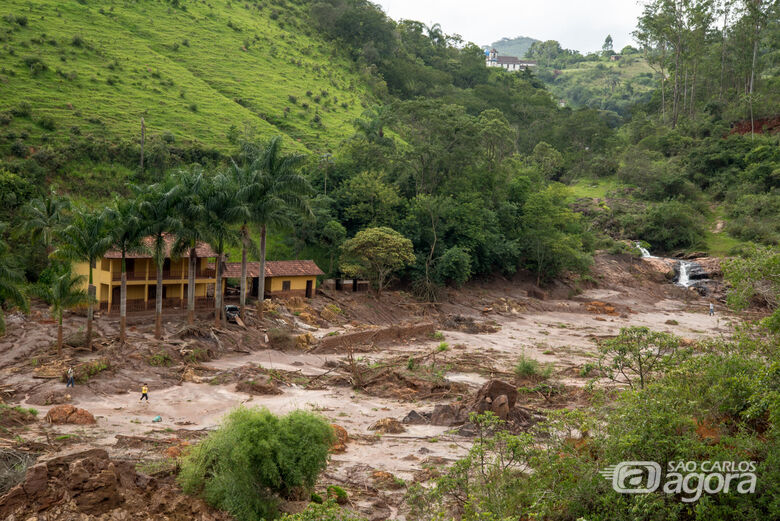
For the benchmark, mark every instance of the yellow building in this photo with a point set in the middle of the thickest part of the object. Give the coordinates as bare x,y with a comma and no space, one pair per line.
282,278
142,279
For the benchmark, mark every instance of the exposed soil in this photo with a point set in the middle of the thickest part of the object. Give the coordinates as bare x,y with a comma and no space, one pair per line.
398,392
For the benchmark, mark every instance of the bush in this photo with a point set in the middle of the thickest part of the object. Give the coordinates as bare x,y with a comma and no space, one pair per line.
18,149
673,225
47,123
255,457
323,512
454,266
77,41
23,110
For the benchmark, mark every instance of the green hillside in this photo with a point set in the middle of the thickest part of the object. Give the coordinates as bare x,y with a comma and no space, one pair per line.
602,84
514,46
191,70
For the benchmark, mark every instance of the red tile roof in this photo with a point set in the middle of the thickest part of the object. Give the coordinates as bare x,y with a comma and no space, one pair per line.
291,268
203,250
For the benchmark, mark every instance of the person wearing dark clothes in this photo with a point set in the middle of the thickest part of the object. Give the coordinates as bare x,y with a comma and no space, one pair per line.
144,393
71,380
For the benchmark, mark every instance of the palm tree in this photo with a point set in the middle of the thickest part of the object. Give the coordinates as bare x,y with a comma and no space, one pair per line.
126,232
158,221
275,189
243,176
43,216
86,239
222,209
186,198
64,293
11,281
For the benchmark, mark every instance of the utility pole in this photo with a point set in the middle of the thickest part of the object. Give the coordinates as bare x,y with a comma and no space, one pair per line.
143,138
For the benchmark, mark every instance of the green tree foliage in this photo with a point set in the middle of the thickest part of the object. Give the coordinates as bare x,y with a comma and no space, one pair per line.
721,405
375,254
637,354
454,266
254,458
62,294
754,276
552,234
11,281
85,239
328,511
673,225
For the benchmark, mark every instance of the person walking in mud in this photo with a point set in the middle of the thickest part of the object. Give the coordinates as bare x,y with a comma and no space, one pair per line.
712,309
71,378
144,393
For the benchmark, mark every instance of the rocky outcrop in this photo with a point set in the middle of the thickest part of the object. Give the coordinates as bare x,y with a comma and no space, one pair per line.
88,485
61,414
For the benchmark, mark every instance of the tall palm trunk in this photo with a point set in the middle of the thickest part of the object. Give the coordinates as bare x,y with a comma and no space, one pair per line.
191,286
243,272
158,301
261,275
123,304
90,307
59,335
218,293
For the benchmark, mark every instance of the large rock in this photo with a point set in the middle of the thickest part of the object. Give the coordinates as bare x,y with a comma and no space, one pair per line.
61,414
492,390
449,415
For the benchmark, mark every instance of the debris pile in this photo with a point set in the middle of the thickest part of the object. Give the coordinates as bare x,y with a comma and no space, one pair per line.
61,414
88,485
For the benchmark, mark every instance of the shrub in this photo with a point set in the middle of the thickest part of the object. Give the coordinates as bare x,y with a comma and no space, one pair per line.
46,123
323,512
23,110
528,367
638,354
161,359
193,107
18,149
454,266
673,224
77,41
292,99
255,457
36,65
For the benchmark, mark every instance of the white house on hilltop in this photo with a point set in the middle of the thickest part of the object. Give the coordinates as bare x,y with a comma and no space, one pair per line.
510,63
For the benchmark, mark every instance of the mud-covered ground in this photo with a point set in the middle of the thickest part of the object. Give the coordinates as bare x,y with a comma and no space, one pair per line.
362,363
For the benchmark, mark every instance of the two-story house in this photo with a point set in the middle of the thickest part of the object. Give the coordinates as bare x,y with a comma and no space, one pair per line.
142,278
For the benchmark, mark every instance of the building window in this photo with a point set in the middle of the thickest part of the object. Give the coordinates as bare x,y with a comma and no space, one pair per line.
285,285
105,265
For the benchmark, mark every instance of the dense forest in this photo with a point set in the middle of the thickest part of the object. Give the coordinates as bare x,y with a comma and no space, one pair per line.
471,164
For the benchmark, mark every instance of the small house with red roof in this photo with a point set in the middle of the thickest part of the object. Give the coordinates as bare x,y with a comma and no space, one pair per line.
282,278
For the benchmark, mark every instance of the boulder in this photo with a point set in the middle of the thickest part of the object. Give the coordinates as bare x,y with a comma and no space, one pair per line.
342,437
448,415
415,418
66,413
492,390
500,407
387,426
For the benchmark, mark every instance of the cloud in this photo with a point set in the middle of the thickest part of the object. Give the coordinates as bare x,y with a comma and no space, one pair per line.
576,24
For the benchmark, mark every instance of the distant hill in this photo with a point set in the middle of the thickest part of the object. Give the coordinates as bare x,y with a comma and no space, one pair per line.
513,46
192,70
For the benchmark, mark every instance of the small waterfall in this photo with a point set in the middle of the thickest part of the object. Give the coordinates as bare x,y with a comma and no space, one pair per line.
645,252
684,279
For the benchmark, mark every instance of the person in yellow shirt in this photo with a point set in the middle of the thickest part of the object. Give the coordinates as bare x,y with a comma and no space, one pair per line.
144,393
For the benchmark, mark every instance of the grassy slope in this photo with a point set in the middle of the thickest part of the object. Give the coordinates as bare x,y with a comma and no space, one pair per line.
585,73
135,63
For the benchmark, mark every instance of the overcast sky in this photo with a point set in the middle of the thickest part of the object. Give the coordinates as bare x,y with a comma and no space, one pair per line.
577,24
